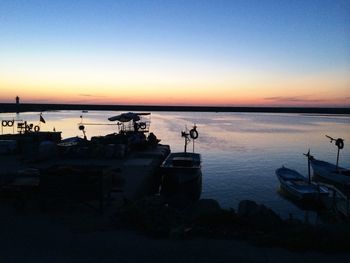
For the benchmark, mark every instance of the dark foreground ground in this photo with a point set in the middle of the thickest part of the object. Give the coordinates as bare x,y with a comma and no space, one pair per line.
77,235
11,107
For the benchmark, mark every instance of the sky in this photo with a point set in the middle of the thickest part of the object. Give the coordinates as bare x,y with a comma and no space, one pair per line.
176,52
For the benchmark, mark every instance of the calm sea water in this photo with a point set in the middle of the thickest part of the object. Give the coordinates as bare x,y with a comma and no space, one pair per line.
240,151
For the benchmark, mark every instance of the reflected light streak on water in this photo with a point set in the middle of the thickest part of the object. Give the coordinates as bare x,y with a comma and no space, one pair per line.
240,151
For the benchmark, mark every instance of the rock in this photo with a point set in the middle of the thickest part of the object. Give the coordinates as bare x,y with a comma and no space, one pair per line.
258,215
204,208
152,215
247,208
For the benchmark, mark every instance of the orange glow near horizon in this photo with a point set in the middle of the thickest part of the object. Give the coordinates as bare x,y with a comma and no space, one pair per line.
243,89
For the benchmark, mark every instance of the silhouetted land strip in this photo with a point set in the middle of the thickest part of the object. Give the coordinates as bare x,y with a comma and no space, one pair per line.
25,107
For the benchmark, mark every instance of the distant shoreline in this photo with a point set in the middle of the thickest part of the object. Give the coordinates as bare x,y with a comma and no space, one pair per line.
28,107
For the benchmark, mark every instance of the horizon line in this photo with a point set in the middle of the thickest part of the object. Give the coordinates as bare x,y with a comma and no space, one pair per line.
26,107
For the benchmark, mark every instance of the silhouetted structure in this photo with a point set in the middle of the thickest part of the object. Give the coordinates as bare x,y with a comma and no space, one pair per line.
26,107
17,104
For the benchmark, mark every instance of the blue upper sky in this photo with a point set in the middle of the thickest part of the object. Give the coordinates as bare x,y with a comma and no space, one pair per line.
294,37
293,32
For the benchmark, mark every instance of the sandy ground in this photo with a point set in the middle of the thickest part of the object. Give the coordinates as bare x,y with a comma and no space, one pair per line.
79,234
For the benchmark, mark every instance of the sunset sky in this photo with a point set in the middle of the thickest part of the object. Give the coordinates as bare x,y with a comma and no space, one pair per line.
176,52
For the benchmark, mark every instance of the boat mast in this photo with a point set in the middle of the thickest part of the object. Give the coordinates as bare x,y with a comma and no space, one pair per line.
308,165
193,134
340,144
187,140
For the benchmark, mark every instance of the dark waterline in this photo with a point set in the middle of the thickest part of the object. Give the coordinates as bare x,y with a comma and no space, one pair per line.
32,107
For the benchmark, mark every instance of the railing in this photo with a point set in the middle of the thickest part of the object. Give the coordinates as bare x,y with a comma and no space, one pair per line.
142,126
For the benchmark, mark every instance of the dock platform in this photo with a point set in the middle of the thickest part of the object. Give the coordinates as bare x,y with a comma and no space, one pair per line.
131,177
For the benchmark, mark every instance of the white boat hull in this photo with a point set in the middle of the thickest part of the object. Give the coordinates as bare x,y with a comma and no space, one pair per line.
298,186
328,173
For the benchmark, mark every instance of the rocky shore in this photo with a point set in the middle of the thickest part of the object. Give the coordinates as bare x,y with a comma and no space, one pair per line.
252,222
150,230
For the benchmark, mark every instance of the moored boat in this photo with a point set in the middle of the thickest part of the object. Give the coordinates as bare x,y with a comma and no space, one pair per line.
332,173
299,186
181,172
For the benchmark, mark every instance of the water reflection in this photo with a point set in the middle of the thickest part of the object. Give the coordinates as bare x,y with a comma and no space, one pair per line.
240,151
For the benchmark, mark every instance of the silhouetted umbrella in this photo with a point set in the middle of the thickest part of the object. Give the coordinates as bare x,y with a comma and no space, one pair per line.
125,117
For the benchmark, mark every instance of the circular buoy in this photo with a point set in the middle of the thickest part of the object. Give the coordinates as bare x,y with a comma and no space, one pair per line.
81,127
194,133
10,123
340,143
142,125
36,128
4,123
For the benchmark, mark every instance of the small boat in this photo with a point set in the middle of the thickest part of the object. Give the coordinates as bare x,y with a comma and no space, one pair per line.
181,172
332,173
299,186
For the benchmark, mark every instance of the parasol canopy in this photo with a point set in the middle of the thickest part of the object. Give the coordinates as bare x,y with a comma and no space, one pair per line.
125,117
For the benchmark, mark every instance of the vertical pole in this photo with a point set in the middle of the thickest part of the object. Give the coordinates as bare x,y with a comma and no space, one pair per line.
308,168
337,159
